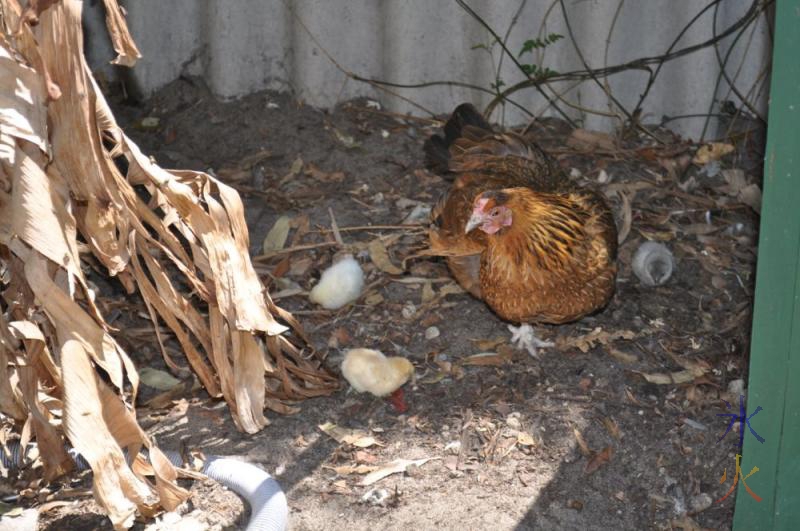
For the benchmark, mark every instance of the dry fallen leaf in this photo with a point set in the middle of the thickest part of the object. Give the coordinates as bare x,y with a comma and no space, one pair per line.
751,196
297,166
166,398
587,341
582,445
395,467
575,504
525,439
346,140
339,337
679,377
446,368
736,181
301,225
320,175
585,140
622,357
631,398
340,487
451,288
298,267
428,292
627,216
380,257
489,344
373,298
277,235
364,457
612,428
488,358
697,366
277,406
599,459
357,438
687,524
711,152
161,380
345,470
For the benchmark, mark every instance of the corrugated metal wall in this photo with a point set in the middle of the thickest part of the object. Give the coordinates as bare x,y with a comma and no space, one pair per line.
249,45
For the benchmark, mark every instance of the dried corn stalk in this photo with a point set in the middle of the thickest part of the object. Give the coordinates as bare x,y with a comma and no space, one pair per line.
67,171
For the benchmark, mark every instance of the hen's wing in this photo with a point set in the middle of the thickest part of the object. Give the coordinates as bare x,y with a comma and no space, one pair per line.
601,227
478,159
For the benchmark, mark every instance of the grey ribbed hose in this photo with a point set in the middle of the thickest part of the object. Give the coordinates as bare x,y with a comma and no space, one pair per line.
269,511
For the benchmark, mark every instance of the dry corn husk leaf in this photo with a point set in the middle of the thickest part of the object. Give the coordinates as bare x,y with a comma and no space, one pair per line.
127,53
59,144
11,400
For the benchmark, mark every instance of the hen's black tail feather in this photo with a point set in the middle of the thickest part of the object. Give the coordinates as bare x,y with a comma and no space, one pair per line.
437,147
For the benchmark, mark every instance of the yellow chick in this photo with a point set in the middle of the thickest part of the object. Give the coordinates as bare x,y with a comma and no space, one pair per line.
369,370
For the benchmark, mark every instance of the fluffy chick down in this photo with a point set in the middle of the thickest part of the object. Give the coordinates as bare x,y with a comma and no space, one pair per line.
369,370
653,263
339,285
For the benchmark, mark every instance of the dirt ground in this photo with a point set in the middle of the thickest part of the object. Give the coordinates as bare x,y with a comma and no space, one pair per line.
614,428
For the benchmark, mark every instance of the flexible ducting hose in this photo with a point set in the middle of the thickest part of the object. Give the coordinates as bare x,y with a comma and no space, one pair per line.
269,511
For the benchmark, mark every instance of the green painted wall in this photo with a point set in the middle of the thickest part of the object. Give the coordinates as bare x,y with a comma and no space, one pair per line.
775,348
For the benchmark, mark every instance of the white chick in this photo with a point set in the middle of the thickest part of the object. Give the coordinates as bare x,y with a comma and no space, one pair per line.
369,370
339,285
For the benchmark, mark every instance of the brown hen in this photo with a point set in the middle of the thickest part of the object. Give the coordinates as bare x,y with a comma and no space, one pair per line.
517,233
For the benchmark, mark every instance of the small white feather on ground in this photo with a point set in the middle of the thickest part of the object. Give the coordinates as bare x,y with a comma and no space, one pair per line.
369,370
339,285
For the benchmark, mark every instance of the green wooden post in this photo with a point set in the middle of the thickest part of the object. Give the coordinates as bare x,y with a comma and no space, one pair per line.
775,347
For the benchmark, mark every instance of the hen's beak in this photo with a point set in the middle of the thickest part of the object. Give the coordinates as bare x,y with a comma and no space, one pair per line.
474,221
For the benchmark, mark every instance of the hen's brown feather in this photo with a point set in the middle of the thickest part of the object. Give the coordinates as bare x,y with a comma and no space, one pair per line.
557,260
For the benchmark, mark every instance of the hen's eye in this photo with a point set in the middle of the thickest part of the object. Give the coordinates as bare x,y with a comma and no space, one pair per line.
495,212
